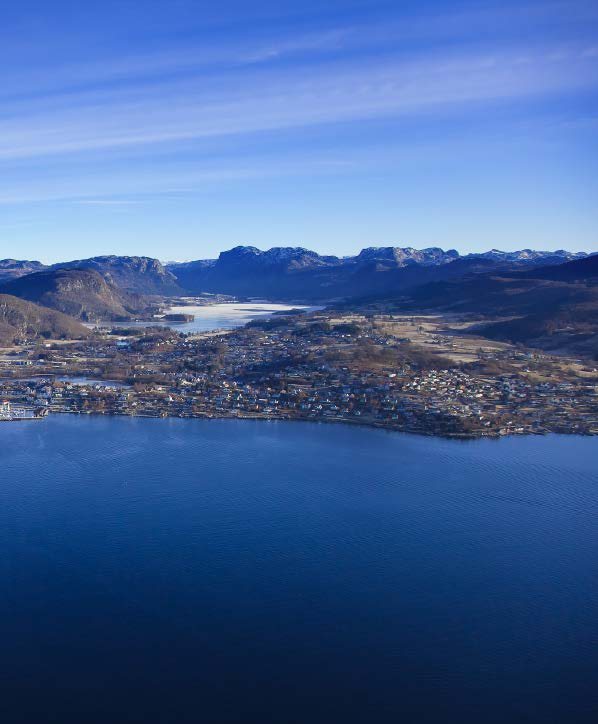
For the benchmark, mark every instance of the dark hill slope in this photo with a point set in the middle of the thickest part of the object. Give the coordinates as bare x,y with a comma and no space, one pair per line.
578,270
84,294
20,320
551,308
498,296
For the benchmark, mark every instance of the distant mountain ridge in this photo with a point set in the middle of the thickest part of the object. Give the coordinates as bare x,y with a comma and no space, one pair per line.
531,256
403,256
298,273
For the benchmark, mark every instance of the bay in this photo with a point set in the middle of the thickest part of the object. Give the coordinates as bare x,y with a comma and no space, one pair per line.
250,571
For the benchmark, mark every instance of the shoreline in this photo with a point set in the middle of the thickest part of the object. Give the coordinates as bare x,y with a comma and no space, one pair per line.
355,423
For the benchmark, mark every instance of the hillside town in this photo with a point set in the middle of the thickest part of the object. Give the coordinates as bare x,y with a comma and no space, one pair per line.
320,367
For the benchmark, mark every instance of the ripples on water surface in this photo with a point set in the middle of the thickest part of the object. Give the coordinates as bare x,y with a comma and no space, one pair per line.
228,571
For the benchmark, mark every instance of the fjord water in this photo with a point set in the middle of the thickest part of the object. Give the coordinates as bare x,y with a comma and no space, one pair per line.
236,571
210,317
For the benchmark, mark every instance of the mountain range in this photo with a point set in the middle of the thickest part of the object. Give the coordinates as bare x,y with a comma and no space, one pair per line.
526,295
291,272
295,273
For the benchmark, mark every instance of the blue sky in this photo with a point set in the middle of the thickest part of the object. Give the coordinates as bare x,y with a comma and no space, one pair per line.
180,128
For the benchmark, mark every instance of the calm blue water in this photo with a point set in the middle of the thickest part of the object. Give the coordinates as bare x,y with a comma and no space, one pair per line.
230,571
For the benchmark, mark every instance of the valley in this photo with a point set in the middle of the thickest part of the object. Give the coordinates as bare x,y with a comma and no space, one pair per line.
485,354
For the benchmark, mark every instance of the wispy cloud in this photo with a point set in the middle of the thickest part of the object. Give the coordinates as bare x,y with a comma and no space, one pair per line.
200,107
199,58
109,202
272,44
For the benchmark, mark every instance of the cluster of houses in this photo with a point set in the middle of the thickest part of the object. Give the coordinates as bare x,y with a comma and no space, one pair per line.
296,370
